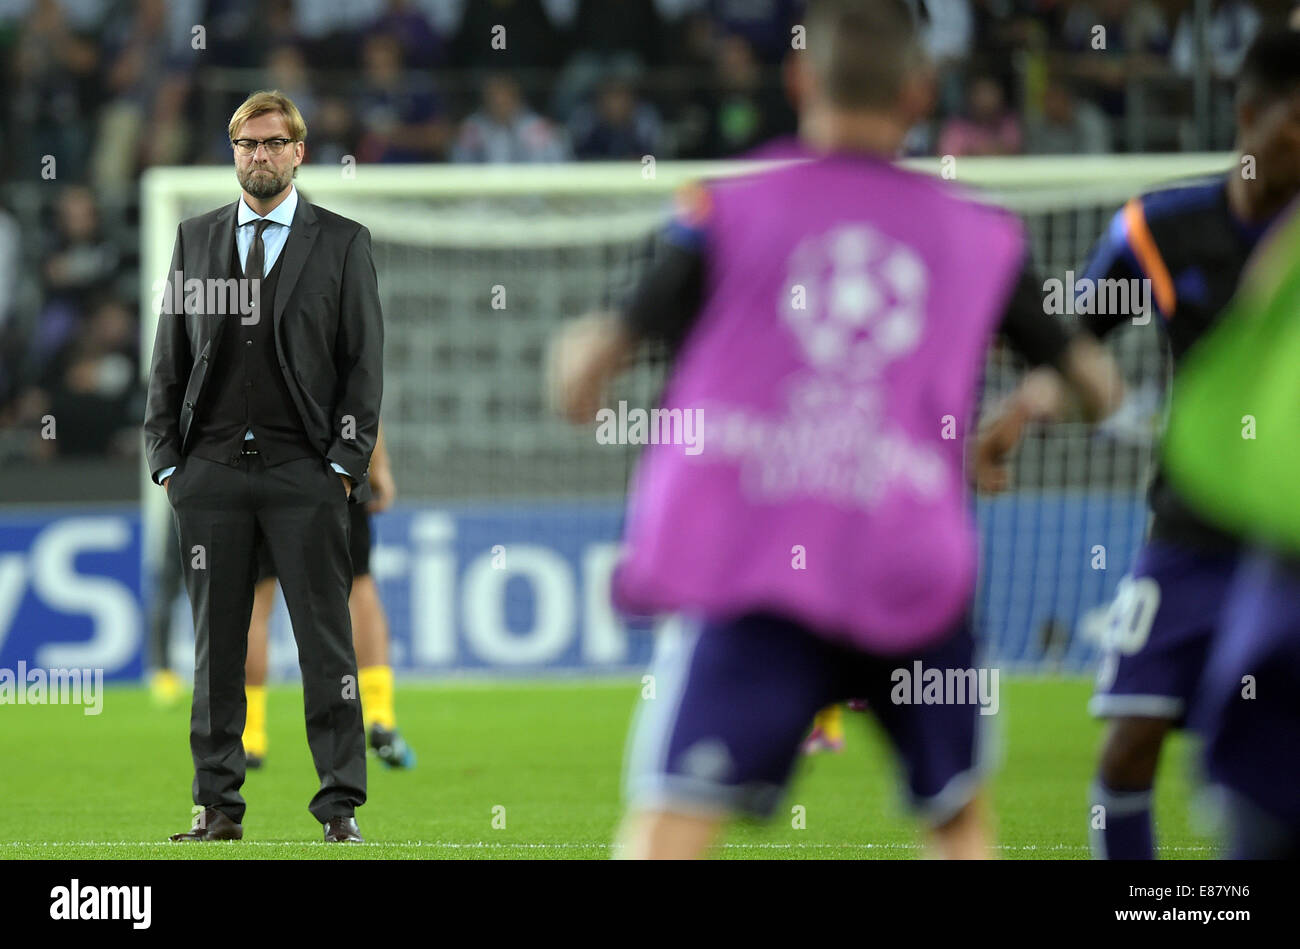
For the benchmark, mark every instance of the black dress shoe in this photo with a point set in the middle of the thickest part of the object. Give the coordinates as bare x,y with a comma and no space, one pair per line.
212,825
342,830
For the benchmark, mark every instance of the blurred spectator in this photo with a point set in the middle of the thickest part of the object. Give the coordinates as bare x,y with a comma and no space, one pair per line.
620,36
1003,31
81,262
54,92
603,27
445,16
1068,125
422,47
765,24
506,130
286,70
10,341
84,16
92,397
745,107
1115,41
690,42
531,40
687,67
987,128
948,30
331,29
10,256
333,134
1131,27
617,124
80,265
148,76
399,111
1233,26
243,33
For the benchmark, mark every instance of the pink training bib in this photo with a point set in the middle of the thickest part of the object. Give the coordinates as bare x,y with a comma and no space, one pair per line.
832,375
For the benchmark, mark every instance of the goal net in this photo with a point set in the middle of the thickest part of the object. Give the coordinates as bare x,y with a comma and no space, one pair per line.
498,554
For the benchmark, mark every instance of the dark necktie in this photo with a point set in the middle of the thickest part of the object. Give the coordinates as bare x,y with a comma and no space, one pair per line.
256,253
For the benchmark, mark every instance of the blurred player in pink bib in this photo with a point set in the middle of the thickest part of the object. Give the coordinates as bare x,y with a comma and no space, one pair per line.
804,507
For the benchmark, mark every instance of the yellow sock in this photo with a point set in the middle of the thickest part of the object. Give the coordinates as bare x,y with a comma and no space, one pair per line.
255,721
377,696
831,721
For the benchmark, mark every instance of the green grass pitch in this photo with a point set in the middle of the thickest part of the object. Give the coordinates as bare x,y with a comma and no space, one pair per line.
115,785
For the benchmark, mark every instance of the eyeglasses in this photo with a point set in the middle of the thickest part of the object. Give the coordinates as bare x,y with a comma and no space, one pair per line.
247,146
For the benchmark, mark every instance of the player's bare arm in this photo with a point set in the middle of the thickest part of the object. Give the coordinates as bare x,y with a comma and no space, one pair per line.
1088,387
584,358
382,485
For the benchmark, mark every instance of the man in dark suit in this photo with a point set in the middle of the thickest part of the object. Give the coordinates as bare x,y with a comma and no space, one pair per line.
261,419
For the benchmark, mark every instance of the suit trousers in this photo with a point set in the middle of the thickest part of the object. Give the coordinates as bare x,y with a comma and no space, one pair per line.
299,509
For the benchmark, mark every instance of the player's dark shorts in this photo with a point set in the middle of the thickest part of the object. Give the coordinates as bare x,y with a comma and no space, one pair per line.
733,701
1250,711
1159,630
358,545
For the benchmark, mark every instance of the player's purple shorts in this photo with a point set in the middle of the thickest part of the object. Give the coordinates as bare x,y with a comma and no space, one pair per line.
1252,727
1158,632
733,701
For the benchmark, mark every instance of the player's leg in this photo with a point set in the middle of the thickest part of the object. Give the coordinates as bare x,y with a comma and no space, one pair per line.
256,744
1157,637
945,748
1250,710
259,632
370,639
168,580
375,675
1121,795
719,731
663,835
967,835
369,628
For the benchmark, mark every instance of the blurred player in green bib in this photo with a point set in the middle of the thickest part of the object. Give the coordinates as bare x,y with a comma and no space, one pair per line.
1232,449
1236,412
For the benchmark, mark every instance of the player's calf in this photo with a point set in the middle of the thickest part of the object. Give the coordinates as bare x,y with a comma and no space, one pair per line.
1131,752
1120,825
664,835
966,835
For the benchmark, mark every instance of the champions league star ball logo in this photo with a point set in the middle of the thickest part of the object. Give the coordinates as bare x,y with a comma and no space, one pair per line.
855,299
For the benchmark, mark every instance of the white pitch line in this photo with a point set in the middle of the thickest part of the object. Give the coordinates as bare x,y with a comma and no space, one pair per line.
485,845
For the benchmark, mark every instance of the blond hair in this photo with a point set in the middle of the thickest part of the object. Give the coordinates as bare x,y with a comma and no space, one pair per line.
269,100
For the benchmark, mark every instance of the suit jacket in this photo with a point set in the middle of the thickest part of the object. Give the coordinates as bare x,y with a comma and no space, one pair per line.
327,326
